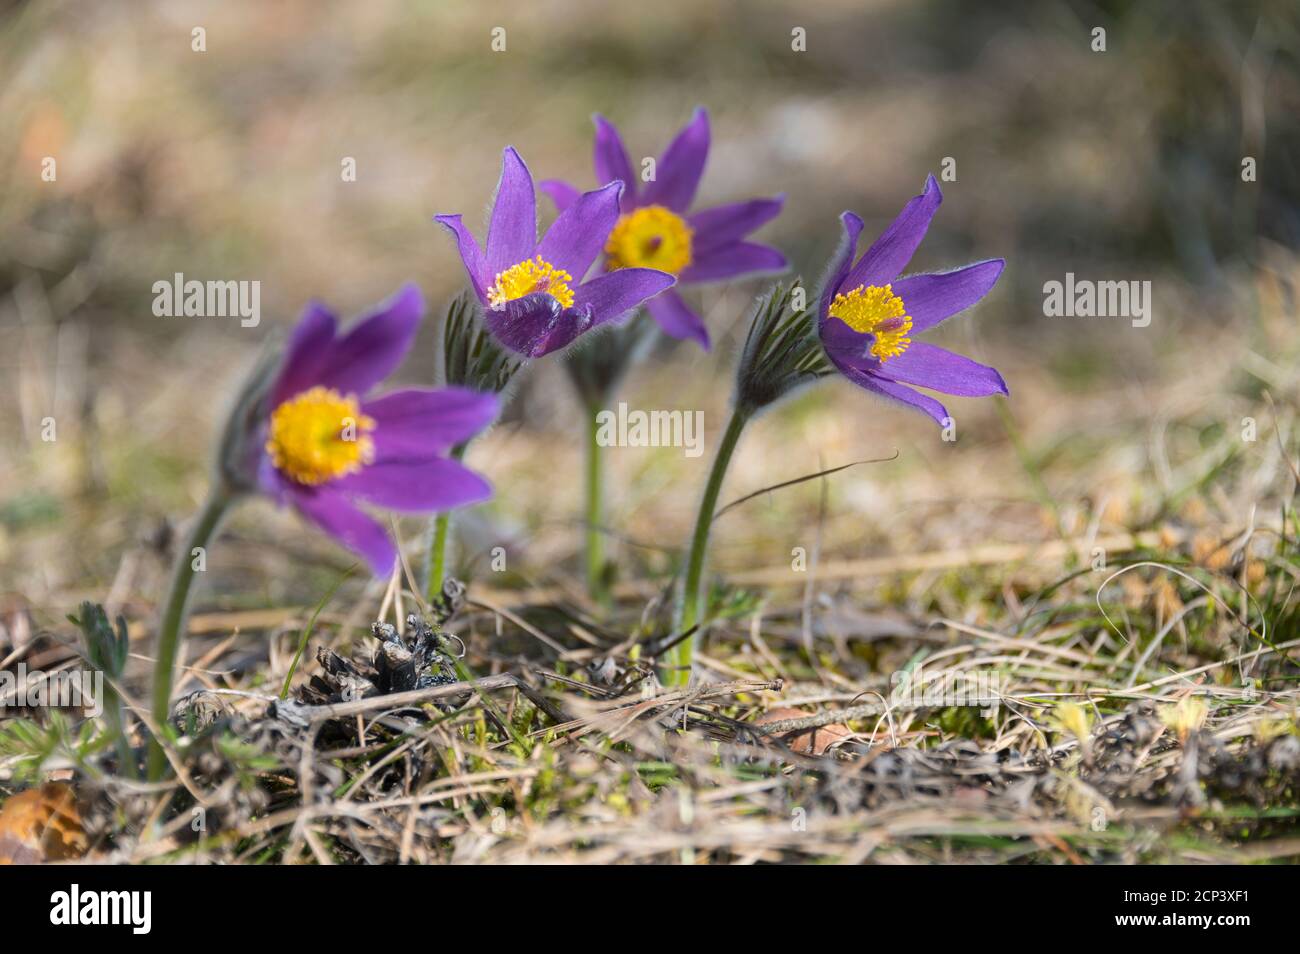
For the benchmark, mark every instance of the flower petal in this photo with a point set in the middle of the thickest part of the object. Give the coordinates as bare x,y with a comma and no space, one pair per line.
677,320
612,295
575,239
470,253
728,261
929,366
678,172
333,513
528,325
845,346
724,224
271,482
931,298
897,392
512,233
416,486
890,253
309,345
417,424
375,345
562,193
841,261
609,156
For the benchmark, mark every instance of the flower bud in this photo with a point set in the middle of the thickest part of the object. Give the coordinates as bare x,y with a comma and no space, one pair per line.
782,352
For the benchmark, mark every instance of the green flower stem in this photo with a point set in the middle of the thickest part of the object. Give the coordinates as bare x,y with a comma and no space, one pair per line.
172,628
596,587
438,549
113,715
681,654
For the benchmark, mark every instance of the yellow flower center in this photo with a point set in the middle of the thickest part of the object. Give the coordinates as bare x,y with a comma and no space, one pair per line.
650,237
878,311
528,277
320,435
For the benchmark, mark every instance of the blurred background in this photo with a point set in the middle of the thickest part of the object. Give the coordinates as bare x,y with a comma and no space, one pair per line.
225,164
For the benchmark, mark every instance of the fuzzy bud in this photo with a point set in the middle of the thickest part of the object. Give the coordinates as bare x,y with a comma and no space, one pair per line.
782,352
471,357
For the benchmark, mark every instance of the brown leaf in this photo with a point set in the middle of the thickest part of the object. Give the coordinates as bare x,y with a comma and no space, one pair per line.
41,824
808,741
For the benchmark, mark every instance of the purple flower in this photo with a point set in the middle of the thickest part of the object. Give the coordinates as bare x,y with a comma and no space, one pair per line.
654,229
534,297
867,314
326,446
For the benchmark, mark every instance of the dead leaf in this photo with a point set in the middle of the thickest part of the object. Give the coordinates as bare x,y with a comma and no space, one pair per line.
1211,552
809,741
41,824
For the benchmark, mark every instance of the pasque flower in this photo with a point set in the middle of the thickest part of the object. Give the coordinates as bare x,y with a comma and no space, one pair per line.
309,435
656,228
533,293
326,445
471,358
867,315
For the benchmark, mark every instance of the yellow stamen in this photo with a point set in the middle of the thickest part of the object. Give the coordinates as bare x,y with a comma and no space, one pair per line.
650,237
876,310
528,277
320,435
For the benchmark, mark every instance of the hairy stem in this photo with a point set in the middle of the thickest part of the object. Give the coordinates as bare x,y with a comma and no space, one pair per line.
596,587
172,627
438,549
114,715
681,654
